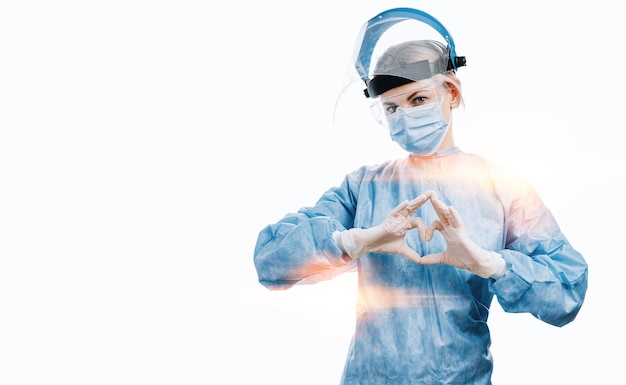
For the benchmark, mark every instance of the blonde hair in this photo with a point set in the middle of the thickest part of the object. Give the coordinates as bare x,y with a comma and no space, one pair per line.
449,80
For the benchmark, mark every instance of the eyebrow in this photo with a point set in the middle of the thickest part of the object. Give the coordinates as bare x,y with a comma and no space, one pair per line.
409,96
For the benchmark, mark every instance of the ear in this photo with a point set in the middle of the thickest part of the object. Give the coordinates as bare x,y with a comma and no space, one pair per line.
455,95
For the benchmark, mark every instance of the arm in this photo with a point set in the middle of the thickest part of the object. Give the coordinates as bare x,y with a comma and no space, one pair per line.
300,248
547,277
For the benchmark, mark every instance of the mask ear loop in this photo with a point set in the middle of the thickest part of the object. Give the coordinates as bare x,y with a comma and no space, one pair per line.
379,24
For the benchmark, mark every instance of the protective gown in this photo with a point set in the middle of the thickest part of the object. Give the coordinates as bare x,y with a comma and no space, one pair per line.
428,324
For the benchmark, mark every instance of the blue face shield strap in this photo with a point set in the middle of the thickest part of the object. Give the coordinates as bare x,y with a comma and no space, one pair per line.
376,26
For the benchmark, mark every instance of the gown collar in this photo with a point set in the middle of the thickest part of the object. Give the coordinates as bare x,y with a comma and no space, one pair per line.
444,152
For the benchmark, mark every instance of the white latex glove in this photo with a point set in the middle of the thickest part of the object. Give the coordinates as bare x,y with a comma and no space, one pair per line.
388,237
461,251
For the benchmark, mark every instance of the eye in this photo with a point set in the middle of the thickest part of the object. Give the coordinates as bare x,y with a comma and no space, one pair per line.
419,100
390,109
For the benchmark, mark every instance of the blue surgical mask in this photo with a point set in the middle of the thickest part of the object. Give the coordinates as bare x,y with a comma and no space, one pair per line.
419,130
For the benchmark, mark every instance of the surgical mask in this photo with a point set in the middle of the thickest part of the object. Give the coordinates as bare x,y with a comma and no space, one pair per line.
419,130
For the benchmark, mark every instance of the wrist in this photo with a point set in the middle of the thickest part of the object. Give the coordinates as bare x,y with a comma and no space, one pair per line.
493,266
500,266
349,242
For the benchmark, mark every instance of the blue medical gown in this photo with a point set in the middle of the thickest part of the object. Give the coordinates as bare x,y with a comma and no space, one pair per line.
428,324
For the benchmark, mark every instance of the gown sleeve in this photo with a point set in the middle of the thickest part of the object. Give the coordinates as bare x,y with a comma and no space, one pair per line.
547,277
299,248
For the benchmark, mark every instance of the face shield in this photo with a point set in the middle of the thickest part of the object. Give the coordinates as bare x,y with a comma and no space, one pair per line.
397,47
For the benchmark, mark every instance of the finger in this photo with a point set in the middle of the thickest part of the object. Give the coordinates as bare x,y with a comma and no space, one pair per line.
454,219
399,208
416,203
419,224
441,209
419,200
431,259
430,230
438,204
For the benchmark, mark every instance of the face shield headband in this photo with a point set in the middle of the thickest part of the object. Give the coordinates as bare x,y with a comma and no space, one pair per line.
372,31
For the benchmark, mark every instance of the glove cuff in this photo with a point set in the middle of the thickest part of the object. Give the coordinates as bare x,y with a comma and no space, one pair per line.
494,268
501,267
351,242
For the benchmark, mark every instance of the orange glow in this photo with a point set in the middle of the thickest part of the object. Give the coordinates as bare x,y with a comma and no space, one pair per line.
377,298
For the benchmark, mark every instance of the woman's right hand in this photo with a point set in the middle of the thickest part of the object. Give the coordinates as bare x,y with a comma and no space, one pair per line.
388,237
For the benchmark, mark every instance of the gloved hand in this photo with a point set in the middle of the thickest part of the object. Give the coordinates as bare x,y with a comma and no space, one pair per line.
388,237
461,251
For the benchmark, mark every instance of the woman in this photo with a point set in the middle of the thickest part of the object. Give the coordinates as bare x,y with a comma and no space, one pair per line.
433,236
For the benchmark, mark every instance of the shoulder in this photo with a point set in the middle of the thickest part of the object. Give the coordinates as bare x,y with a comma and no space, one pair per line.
373,170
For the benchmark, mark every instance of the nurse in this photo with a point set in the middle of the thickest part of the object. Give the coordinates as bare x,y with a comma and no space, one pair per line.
434,236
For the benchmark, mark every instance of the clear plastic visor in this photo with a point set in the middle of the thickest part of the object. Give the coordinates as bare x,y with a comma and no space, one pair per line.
376,55
426,60
397,101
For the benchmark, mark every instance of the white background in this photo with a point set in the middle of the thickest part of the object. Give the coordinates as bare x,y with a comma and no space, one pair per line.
144,144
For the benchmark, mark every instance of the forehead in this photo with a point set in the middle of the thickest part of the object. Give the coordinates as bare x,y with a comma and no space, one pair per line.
407,90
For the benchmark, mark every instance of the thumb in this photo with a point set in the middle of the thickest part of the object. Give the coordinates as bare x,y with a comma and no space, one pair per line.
410,254
432,259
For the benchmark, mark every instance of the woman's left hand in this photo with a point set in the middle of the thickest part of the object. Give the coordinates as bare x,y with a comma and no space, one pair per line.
461,251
